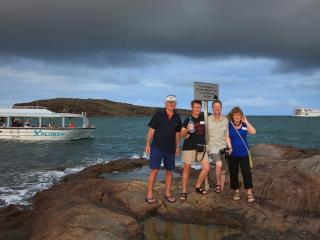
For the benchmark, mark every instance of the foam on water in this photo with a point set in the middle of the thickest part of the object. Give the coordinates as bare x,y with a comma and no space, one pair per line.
32,182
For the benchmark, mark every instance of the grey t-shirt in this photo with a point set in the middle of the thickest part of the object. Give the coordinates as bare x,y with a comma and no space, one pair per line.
218,130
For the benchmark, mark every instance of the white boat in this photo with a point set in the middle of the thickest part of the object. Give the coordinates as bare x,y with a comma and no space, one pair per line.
41,124
306,112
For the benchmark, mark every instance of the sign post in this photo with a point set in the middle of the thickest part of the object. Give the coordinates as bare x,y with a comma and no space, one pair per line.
206,92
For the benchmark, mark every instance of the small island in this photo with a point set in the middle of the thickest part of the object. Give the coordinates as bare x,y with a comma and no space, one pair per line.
95,107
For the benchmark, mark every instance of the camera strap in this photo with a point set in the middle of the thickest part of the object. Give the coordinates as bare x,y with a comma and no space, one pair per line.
245,145
204,152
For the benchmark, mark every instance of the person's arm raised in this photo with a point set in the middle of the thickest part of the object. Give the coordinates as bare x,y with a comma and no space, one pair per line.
183,132
250,128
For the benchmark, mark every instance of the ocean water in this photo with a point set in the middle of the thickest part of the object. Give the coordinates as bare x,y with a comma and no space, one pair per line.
28,167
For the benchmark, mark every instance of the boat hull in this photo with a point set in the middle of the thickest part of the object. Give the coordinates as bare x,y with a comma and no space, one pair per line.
306,112
307,116
45,134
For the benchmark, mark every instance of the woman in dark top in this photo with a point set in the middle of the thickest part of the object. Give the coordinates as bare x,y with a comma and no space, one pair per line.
238,129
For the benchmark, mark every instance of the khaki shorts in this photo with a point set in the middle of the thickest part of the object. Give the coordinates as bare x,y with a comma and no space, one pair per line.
189,156
217,157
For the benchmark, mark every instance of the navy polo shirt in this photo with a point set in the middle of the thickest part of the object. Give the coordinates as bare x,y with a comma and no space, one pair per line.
164,137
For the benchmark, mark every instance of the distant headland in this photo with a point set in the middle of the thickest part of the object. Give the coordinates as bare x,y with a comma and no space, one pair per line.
95,107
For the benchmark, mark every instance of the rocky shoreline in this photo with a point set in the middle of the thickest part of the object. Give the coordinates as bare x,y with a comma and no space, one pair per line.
86,205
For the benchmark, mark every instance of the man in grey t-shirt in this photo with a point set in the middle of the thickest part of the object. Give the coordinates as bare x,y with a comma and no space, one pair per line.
218,139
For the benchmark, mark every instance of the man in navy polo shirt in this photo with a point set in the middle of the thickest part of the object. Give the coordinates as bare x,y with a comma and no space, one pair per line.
164,128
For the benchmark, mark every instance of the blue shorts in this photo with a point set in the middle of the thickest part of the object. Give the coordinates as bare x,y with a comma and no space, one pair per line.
156,157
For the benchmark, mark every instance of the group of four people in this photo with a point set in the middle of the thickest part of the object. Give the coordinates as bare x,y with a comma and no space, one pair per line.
226,137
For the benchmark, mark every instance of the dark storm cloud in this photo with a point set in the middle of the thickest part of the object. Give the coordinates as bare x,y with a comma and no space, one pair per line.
117,32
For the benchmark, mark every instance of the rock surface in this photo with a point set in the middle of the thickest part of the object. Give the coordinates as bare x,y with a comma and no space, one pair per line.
86,206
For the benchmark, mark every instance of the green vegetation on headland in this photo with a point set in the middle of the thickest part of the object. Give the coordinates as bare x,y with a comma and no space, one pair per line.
95,107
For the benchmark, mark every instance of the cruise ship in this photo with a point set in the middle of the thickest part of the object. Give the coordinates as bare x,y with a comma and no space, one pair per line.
306,112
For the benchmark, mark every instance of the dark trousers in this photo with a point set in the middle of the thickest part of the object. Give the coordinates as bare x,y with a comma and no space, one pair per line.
243,162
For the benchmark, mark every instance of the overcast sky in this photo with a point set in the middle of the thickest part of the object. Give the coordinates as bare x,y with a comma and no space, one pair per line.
265,55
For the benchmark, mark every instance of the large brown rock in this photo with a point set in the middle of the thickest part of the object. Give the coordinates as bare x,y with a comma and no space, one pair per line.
84,221
74,209
294,183
87,206
281,151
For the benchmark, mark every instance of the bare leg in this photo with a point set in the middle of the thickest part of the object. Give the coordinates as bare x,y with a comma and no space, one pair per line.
223,179
218,172
168,182
185,177
151,180
204,172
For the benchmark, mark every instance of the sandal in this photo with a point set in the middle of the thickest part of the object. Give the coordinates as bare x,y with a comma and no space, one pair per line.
150,200
236,196
200,190
250,198
170,199
218,189
183,196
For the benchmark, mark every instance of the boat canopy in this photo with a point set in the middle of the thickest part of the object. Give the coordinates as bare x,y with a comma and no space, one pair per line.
34,112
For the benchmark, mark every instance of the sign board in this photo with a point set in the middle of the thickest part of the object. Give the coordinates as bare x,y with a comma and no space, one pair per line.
206,91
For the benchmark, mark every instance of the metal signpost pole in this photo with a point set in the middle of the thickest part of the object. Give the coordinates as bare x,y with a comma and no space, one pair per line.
205,105
206,92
